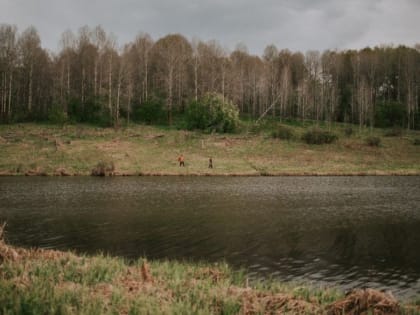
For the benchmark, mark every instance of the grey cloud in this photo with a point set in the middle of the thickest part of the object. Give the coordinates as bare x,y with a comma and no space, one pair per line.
297,25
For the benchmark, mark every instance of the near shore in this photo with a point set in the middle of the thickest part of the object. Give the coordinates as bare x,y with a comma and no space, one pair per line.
37,281
71,150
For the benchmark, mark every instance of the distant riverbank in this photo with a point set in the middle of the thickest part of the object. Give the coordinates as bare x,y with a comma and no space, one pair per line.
76,150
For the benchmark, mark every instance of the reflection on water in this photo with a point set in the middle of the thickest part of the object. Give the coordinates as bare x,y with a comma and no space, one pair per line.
346,231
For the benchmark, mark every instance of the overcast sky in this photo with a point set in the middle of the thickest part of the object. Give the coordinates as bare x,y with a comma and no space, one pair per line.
293,24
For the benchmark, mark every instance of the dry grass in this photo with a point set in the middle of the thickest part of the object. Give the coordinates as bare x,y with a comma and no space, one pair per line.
52,282
144,150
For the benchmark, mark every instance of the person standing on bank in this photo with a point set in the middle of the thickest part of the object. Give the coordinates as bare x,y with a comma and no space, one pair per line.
210,162
181,160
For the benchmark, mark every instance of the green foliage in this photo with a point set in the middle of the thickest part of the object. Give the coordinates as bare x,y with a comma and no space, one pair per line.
348,131
319,136
283,132
254,128
212,113
56,115
344,109
92,111
389,114
394,132
150,112
230,307
373,141
265,125
416,121
416,141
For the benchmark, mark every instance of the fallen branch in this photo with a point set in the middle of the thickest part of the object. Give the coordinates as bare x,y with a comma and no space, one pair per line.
267,110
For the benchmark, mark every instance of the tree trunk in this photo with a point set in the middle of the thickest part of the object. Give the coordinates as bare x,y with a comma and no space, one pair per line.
68,78
146,61
117,110
83,87
30,89
110,87
196,77
170,96
9,109
223,81
95,85
129,105
2,96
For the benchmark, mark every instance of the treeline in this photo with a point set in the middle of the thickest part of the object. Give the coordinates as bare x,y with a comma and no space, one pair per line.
92,79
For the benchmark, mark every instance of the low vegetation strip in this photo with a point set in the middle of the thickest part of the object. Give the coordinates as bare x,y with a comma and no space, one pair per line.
37,281
33,149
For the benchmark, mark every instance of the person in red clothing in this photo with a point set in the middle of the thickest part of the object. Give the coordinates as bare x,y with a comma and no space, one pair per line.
181,160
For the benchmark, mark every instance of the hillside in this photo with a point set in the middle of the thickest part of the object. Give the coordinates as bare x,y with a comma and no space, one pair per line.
35,149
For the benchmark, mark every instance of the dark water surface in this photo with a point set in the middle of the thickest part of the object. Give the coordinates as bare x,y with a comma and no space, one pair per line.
345,231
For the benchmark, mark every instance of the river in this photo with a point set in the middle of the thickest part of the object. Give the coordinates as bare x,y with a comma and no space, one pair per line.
339,231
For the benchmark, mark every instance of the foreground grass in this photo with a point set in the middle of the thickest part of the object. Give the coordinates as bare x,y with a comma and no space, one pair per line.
50,282
139,149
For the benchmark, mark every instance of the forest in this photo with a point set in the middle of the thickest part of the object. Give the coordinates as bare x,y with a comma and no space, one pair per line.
94,79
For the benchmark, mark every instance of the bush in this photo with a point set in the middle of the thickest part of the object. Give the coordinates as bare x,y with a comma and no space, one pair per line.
283,132
103,169
212,113
394,132
150,112
57,116
416,141
389,114
373,141
92,111
348,131
318,136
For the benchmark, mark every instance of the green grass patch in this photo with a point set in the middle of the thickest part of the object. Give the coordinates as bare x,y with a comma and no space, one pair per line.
52,282
78,149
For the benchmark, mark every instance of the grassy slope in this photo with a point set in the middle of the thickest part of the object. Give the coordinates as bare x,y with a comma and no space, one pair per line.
154,150
50,282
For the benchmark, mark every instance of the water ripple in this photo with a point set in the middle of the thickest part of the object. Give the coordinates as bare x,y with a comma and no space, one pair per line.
343,231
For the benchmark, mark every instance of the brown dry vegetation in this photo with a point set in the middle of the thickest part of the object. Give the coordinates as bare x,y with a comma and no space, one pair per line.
54,282
30,149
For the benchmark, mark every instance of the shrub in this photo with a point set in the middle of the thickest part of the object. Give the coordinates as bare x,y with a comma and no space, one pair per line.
389,114
318,136
150,112
92,111
103,169
394,132
416,141
283,132
348,131
57,116
212,113
255,128
373,141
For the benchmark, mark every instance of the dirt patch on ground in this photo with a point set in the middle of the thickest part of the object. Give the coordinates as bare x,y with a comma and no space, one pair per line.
61,171
37,171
